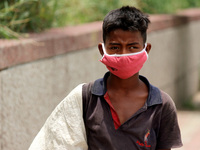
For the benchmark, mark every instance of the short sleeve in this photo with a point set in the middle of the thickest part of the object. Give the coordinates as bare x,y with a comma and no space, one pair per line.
169,134
64,129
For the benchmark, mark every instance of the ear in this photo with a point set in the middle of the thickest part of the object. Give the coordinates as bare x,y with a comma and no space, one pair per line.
100,49
148,48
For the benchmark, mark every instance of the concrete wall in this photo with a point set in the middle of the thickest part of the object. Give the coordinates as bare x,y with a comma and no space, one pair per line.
36,76
31,91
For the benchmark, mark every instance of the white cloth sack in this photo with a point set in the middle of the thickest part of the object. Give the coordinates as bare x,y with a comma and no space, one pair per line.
64,129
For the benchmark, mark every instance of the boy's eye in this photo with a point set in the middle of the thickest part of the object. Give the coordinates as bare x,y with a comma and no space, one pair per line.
114,48
133,47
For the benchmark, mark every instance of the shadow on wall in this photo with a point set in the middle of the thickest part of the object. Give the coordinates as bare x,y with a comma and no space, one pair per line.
181,64
185,63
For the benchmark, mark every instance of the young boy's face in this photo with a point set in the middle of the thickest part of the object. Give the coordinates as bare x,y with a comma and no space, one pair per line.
123,42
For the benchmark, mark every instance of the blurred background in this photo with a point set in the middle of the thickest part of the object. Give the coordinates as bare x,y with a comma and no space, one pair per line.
48,47
21,16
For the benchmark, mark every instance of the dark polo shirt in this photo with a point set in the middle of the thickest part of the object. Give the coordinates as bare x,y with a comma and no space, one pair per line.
154,126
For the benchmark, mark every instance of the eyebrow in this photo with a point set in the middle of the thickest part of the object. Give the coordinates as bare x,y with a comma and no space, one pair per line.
114,44
134,43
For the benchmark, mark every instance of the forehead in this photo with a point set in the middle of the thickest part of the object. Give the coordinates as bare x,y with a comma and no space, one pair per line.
124,36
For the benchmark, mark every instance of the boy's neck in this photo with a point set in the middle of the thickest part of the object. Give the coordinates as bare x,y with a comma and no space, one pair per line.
115,83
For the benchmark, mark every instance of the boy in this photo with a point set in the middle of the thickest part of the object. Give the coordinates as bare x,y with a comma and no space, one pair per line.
121,111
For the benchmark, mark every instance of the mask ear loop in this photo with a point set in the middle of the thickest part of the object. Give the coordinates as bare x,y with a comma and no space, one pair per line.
145,46
104,51
103,47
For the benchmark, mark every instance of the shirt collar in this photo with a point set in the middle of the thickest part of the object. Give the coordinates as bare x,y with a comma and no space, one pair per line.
154,97
99,86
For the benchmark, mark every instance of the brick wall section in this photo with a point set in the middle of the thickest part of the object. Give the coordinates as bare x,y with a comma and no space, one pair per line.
62,40
159,22
47,44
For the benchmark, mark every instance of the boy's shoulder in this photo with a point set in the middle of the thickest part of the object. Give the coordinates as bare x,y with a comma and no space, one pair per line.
167,102
165,99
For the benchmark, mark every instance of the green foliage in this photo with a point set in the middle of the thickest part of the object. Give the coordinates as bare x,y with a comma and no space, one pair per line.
24,16
166,6
20,16
77,12
189,105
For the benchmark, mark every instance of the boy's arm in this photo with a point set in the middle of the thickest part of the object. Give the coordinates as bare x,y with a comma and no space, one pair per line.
169,133
64,129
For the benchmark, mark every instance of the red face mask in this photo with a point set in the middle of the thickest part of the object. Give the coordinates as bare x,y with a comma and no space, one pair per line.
124,65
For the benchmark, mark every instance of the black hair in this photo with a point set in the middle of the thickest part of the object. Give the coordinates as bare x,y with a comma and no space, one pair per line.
126,18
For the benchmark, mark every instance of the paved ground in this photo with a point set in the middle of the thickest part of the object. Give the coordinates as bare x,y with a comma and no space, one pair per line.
189,122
